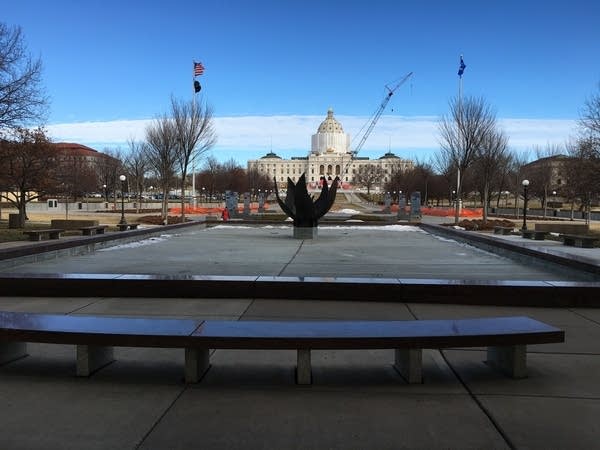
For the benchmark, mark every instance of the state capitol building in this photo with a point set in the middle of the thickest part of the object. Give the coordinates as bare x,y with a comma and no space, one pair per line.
330,156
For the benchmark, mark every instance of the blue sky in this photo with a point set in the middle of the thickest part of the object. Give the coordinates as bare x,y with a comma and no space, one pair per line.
273,68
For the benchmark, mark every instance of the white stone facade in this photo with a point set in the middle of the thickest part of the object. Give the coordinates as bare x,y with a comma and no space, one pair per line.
330,156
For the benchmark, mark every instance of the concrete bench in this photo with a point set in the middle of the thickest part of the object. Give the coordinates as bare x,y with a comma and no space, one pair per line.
94,229
49,233
533,234
127,226
503,230
578,240
505,337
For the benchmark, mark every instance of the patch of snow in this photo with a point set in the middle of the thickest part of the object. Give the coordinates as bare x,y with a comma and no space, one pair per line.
136,244
375,228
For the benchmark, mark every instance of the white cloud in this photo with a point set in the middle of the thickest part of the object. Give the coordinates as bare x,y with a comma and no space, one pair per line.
249,137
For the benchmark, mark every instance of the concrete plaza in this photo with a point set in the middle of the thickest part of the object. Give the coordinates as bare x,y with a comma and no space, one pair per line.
248,399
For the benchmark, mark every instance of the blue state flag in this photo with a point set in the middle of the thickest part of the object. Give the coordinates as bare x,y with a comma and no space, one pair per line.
462,67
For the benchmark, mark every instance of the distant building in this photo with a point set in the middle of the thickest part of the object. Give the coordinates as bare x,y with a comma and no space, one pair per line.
330,156
551,170
68,151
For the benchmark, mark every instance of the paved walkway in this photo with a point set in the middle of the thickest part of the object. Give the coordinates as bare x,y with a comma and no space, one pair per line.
249,400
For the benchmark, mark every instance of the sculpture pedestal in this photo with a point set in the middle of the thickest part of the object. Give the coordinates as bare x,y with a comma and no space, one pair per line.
305,232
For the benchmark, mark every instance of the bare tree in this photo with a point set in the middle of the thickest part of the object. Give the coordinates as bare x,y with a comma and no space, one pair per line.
462,134
415,179
160,149
22,99
75,177
590,121
447,170
27,165
194,135
368,176
136,165
490,159
257,181
208,177
108,171
582,170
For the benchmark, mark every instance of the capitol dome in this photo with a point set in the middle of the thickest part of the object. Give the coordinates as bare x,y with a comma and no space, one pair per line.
330,125
330,137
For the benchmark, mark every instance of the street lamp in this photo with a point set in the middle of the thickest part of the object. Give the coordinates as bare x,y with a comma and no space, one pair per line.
105,193
123,221
525,183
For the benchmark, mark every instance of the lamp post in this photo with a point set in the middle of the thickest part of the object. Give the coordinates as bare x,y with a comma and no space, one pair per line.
105,193
525,184
123,221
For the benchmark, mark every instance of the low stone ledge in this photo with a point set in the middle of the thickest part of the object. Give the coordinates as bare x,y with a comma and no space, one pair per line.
520,251
472,292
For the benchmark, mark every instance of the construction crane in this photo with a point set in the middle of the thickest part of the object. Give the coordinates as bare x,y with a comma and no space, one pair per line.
373,122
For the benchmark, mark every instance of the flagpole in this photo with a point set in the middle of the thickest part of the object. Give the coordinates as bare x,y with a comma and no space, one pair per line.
193,112
460,90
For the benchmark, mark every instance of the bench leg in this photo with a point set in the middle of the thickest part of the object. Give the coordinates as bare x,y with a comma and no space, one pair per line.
197,361
90,358
10,351
409,363
510,360
303,369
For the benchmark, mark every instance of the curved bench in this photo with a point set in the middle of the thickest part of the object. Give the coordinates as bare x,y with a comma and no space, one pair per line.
505,337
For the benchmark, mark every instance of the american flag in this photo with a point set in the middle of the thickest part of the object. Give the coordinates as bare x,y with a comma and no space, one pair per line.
198,69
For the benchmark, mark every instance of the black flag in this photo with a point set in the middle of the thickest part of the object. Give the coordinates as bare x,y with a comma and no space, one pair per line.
197,86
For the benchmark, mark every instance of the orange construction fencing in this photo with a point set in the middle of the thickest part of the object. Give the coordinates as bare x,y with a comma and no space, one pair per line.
203,210
444,212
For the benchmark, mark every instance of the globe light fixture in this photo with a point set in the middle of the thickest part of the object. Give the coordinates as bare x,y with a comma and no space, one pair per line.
123,221
525,184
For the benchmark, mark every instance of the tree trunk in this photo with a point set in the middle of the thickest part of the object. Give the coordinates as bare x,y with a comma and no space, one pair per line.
164,213
486,189
21,208
457,206
545,201
183,197
573,209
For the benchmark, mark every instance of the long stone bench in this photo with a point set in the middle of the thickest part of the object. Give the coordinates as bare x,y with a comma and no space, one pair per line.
534,234
94,337
578,240
503,230
127,226
93,229
48,233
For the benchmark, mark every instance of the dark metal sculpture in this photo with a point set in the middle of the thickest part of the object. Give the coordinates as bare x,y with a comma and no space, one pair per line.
299,205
